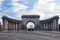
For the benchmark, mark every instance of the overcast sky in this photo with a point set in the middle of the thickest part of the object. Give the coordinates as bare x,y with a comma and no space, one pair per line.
15,8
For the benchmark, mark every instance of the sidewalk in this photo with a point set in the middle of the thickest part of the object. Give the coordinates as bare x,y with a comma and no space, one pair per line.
48,33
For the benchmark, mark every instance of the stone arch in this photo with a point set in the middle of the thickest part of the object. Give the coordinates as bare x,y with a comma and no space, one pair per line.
32,22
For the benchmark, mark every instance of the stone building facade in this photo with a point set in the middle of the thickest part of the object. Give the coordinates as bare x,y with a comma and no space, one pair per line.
13,24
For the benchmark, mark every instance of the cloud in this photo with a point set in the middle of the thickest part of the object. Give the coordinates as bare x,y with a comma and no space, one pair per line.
19,9
44,8
48,8
0,14
17,6
1,1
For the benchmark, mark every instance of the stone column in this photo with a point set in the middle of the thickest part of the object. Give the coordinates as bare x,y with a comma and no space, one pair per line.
20,26
44,27
6,25
3,25
57,25
16,26
52,25
48,26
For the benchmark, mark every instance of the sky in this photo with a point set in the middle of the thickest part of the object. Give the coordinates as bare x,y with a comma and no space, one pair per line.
16,8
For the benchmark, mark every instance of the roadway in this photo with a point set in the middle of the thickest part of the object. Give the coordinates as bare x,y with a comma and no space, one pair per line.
26,35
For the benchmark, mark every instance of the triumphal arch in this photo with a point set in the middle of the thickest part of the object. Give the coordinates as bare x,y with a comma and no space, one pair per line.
31,19
30,22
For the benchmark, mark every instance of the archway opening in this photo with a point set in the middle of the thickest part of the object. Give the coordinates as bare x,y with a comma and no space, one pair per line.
30,26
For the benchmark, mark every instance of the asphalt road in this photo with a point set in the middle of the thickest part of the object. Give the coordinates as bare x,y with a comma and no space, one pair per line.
25,36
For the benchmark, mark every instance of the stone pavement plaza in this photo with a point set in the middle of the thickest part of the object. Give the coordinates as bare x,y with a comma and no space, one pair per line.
29,35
